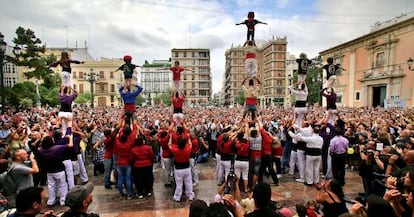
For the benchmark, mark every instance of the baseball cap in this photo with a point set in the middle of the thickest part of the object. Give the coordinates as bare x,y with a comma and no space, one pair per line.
77,194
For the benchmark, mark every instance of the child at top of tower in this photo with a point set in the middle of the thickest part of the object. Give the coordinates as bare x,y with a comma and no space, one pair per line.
176,70
65,62
128,69
303,64
250,22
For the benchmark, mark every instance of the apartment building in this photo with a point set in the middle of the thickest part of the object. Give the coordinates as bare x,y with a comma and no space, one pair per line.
271,65
156,78
196,84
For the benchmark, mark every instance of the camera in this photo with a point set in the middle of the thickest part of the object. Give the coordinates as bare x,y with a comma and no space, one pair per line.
231,182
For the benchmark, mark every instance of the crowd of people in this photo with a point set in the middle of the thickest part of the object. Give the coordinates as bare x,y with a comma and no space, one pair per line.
379,144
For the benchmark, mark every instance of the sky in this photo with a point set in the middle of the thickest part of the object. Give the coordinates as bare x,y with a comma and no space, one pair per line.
149,29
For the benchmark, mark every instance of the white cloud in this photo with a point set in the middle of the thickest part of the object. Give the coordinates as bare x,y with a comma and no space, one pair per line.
149,29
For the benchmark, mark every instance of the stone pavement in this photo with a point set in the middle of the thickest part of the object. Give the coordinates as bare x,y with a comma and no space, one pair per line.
160,204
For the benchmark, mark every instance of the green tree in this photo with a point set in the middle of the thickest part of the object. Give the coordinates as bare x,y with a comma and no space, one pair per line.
140,100
30,56
49,96
83,98
25,90
165,98
240,98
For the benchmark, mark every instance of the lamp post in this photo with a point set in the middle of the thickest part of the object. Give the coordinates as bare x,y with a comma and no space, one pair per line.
38,103
92,77
410,63
3,45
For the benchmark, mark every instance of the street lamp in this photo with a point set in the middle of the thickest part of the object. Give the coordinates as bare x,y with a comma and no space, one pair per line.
3,45
410,63
38,103
92,77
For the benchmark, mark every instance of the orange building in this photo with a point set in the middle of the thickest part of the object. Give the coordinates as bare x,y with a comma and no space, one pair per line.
376,69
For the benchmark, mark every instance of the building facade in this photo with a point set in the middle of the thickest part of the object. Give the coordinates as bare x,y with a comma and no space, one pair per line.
156,78
376,69
271,66
10,70
196,84
106,81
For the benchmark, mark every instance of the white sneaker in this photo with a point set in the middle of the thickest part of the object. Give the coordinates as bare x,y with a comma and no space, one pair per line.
300,180
279,176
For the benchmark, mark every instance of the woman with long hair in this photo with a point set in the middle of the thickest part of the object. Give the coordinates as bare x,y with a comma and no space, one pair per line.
331,195
65,62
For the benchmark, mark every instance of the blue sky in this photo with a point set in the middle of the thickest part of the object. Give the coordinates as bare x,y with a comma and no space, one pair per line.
149,29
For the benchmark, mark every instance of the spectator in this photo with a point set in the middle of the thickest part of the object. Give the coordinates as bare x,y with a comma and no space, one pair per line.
78,200
331,198
142,158
197,208
20,172
262,194
29,203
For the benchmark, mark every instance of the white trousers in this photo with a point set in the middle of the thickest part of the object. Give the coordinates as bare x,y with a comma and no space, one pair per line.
219,171
300,112
313,164
293,162
67,79
183,177
302,163
177,85
56,184
241,169
194,173
250,66
83,175
69,173
225,169
169,168
329,173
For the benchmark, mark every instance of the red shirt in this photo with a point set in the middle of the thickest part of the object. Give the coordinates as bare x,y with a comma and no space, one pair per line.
181,155
166,153
194,143
219,139
227,147
277,152
123,149
176,72
109,145
141,156
176,136
242,148
251,101
250,55
178,102
266,143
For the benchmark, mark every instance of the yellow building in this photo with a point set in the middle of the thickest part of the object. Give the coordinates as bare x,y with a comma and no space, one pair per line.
271,70
106,81
376,65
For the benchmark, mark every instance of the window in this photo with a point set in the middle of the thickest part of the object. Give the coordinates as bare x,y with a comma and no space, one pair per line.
193,54
81,87
185,54
74,86
111,74
176,54
357,95
101,75
380,59
74,74
112,88
81,75
147,77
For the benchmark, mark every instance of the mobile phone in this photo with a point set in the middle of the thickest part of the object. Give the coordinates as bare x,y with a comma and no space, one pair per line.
379,146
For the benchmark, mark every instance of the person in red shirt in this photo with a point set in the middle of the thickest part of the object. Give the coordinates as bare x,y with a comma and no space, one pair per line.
267,163
163,137
142,158
227,152
182,172
194,150
176,70
108,159
123,145
241,164
177,100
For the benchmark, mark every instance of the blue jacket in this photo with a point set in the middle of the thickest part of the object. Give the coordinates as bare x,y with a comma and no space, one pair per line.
130,97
